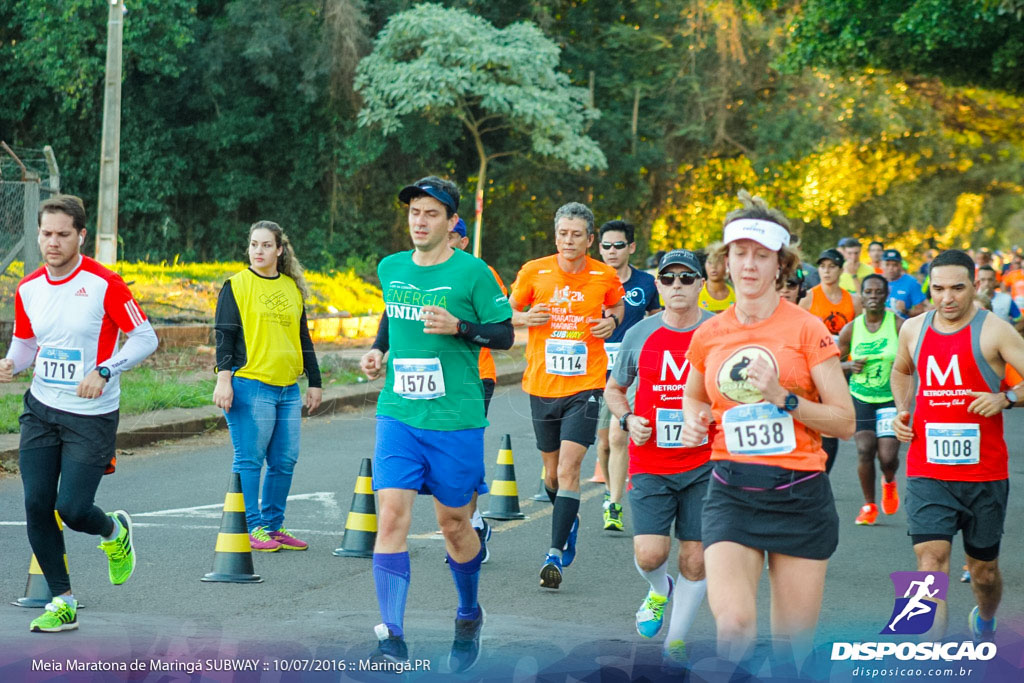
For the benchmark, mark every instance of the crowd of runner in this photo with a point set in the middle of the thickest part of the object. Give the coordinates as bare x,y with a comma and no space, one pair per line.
716,387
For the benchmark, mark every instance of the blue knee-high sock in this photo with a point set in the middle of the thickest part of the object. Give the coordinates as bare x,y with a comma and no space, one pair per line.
467,578
391,577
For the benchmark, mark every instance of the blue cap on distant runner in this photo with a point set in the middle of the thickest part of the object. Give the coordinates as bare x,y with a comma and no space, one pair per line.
891,255
460,228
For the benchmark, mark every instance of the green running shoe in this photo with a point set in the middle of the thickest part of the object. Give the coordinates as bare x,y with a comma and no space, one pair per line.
674,654
613,517
121,551
652,612
59,616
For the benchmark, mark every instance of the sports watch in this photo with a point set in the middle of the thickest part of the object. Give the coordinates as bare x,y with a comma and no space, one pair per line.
103,372
792,401
622,422
1011,396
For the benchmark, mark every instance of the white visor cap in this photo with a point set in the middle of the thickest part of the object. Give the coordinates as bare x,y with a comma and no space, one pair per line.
770,235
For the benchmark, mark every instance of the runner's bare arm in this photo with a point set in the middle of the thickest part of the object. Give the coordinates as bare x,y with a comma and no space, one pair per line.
618,405
1008,347
853,365
538,314
832,416
901,380
603,327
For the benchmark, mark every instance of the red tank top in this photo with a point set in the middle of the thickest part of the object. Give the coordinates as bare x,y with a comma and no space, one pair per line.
662,370
950,443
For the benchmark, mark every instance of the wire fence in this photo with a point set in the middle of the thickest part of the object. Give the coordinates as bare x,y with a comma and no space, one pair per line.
27,178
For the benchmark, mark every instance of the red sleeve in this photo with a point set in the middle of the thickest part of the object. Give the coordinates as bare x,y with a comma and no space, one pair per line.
817,342
522,288
120,305
22,325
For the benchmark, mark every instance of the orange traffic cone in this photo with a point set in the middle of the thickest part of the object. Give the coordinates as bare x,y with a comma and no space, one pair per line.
37,590
361,524
232,557
504,494
598,477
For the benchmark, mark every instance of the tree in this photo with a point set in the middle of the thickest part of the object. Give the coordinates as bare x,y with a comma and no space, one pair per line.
973,42
501,84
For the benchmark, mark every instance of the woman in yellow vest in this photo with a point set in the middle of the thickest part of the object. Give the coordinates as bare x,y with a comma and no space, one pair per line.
263,346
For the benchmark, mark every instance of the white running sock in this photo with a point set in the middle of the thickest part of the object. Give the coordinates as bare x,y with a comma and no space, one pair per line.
686,599
658,578
476,520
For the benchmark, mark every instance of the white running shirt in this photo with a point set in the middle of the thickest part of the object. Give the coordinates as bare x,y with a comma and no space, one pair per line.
74,322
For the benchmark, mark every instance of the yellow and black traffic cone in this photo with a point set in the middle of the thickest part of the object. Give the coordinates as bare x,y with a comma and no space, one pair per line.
361,524
37,590
232,557
504,494
542,492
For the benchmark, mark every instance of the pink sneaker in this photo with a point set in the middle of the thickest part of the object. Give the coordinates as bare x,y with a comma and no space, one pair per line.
287,541
260,540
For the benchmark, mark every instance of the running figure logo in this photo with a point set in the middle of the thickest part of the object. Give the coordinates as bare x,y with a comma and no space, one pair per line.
914,612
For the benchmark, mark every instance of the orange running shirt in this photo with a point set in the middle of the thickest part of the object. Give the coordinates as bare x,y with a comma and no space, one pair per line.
1015,281
794,341
835,316
558,345
487,369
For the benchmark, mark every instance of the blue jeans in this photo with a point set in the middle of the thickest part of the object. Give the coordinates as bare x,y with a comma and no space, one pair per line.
264,424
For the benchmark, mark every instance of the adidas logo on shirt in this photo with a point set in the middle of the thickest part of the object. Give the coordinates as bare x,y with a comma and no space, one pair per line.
82,292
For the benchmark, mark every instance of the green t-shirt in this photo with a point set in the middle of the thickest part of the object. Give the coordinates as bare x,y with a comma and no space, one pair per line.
465,287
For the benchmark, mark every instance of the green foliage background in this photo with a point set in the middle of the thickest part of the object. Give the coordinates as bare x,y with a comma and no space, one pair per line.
887,118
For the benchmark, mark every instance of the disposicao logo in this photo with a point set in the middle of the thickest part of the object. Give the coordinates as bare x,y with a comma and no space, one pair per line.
916,599
914,612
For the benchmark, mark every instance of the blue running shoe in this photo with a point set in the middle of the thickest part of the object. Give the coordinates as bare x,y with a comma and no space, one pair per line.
981,631
391,649
569,551
466,646
485,535
652,612
551,572
966,576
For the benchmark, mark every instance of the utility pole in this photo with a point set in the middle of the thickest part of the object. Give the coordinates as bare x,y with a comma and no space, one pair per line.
110,152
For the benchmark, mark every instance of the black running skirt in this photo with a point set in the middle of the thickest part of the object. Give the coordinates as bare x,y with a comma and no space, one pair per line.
772,509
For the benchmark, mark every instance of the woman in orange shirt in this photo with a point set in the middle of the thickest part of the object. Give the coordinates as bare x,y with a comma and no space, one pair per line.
767,372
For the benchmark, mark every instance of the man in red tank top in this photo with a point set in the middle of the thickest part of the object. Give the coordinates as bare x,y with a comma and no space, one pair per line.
957,463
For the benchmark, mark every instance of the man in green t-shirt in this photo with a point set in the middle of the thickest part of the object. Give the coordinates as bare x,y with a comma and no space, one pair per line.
443,305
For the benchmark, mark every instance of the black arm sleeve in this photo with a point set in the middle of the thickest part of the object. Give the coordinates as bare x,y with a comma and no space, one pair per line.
227,325
499,336
382,343
309,363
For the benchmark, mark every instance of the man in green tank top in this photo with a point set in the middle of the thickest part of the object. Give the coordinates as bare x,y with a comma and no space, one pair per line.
867,347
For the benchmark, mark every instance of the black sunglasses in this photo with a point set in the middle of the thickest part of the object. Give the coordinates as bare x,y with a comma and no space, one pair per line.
617,245
685,279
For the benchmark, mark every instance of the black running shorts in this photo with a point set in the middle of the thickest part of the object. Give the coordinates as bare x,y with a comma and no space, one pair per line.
566,418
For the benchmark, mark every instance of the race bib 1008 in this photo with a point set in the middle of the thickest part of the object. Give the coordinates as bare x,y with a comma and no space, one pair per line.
668,425
758,429
883,422
55,365
565,357
419,378
953,444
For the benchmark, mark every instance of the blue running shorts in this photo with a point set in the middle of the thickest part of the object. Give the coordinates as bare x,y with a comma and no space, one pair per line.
446,464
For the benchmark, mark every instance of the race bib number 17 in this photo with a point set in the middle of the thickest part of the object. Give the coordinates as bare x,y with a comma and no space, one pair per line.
55,365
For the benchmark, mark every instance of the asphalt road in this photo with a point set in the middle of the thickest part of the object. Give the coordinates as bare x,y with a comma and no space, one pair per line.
315,610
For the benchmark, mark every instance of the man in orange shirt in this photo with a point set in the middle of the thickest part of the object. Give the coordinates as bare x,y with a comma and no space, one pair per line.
574,302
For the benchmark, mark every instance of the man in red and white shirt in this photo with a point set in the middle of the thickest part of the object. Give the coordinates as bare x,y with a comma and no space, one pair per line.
67,317
668,481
